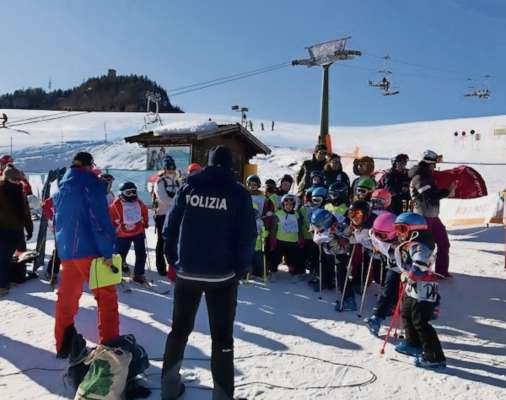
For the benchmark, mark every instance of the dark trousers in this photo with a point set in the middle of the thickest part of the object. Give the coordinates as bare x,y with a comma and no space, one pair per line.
123,246
258,263
341,269
311,254
440,235
419,333
221,300
389,294
9,240
327,270
161,265
291,252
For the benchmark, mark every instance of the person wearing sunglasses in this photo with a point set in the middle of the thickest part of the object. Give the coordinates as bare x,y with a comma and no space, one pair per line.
286,239
384,240
380,201
311,255
414,256
426,198
333,172
361,220
15,219
165,189
396,181
331,234
129,217
364,188
83,232
317,163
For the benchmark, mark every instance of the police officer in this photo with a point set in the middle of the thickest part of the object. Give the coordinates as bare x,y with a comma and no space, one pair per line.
210,237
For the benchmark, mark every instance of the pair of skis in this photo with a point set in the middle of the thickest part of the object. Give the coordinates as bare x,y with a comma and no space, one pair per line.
126,286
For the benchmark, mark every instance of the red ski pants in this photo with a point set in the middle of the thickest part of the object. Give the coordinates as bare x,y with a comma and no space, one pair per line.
73,274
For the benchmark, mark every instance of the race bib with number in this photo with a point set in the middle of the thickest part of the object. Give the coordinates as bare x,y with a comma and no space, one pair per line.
290,224
132,214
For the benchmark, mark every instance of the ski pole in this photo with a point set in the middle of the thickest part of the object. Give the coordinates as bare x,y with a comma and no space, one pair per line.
335,277
147,252
320,267
381,271
265,260
348,276
365,288
393,321
53,261
362,271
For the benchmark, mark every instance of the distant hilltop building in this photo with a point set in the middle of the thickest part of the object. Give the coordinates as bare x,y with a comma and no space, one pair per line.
111,92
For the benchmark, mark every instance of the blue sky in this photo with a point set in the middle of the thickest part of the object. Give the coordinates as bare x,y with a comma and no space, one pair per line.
183,42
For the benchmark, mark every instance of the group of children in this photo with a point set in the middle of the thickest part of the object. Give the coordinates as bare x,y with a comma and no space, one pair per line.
345,237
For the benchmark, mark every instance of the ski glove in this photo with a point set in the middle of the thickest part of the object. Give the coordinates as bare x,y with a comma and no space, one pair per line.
171,273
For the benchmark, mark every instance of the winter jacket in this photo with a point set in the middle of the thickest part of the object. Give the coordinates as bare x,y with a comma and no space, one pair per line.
210,231
82,223
166,188
303,178
331,176
424,193
397,183
128,218
266,207
14,217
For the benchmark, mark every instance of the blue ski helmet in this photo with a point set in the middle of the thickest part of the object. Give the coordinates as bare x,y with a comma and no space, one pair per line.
415,222
322,219
319,192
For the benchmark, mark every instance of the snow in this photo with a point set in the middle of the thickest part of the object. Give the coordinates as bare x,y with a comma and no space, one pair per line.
278,322
185,127
276,325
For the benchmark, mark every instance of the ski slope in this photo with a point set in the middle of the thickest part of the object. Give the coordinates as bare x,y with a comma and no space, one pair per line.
277,325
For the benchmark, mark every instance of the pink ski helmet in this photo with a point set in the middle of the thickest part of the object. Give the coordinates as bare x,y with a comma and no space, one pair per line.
384,227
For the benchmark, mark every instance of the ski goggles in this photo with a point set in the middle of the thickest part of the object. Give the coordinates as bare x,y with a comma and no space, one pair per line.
378,203
355,213
383,236
317,200
363,191
404,229
129,192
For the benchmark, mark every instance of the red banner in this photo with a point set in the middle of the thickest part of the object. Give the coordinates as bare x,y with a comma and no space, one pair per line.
470,184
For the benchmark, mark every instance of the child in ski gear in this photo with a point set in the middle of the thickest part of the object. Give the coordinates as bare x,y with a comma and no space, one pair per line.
165,190
414,256
15,219
129,216
271,193
364,188
211,213
384,240
315,164
285,185
339,198
426,198
316,181
333,172
396,181
286,238
258,267
265,206
83,232
380,201
331,234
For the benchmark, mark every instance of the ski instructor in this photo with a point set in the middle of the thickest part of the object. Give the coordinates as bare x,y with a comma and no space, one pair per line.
83,232
210,235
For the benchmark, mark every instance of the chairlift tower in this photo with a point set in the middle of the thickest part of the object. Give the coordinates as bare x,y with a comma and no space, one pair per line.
243,111
324,55
152,118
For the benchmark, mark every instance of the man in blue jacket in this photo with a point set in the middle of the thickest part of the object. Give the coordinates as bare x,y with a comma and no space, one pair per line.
210,235
83,231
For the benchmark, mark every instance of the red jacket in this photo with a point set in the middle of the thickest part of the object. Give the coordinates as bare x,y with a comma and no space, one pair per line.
128,218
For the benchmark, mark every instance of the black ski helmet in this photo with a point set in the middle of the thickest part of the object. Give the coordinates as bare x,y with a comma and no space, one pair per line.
127,186
361,205
339,192
253,178
400,158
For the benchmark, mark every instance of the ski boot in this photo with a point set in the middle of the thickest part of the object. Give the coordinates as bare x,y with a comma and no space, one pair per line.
408,350
421,362
68,338
374,324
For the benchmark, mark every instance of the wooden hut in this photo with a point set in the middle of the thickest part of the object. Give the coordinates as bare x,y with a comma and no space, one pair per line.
243,144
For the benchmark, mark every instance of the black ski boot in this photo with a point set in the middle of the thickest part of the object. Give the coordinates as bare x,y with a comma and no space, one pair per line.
68,337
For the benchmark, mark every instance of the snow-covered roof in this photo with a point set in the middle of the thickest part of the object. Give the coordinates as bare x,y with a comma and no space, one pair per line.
186,127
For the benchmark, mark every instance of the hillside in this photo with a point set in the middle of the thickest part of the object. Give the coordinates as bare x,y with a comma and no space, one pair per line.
111,92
